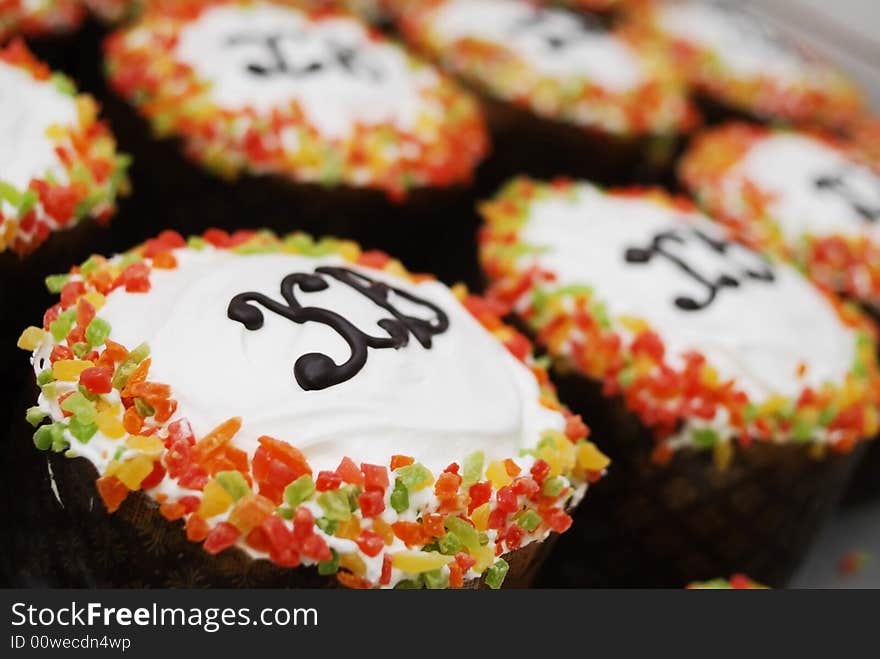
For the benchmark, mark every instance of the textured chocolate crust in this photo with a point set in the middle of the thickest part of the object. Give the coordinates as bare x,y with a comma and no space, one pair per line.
431,230
70,540
525,144
663,526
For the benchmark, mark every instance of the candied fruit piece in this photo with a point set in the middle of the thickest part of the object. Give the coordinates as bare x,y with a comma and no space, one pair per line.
221,537
113,492
497,474
417,562
250,512
375,477
216,500
348,471
590,458
69,370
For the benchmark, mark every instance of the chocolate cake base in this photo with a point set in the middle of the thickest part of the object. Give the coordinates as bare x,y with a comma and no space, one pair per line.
431,230
525,144
665,526
59,534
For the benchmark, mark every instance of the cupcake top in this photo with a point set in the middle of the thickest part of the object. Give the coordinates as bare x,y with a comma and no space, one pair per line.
243,381
736,582
705,340
559,64
39,17
743,61
288,89
58,164
799,194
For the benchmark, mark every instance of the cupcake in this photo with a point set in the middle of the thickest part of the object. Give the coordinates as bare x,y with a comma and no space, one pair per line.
804,196
298,411
305,118
59,182
566,93
732,394
736,582
741,65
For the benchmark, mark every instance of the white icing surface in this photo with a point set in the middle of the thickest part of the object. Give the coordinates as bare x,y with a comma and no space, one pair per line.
788,166
749,47
28,108
466,393
600,57
386,88
757,333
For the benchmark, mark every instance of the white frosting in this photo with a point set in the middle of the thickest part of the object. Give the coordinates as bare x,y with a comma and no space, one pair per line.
466,393
600,57
758,333
749,47
332,99
787,166
28,108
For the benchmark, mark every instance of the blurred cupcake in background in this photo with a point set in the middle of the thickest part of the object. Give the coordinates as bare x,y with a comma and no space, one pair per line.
807,197
736,582
566,93
48,25
270,411
292,116
733,396
59,182
740,64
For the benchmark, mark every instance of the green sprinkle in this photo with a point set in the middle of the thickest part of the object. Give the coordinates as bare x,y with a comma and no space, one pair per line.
802,431
472,469
409,584
328,526
299,490
50,390
399,496
81,407
326,568
61,326
127,367
144,408
465,533
529,520
335,505
234,484
35,416
80,348
54,283
436,579
449,544
63,84
495,575
90,265
553,487
414,475
97,331
28,201
285,513
705,437
82,430
45,377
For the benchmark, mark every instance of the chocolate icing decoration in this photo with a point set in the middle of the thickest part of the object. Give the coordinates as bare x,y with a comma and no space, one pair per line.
537,22
314,370
346,58
838,183
660,247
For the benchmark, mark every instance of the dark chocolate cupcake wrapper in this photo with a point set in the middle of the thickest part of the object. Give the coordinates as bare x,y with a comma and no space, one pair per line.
663,526
431,230
69,540
526,144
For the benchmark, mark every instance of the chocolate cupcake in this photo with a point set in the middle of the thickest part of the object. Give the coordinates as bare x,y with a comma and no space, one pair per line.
60,176
307,119
731,393
742,66
804,196
289,403
566,93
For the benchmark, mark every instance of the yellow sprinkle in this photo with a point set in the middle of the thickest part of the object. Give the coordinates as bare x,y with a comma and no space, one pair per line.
96,299
496,473
480,517
384,529
459,291
150,445
722,454
416,562
484,556
133,472
350,529
349,251
68,370
110,424
353,563
31,338
215,500
589,457
633,324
